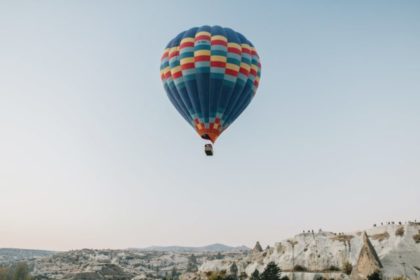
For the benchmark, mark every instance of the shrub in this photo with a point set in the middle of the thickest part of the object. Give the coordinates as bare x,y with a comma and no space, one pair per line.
299,268
219,256
4,272
380,236
343,238
375,276
333,268
217,275
347,268
399,231
255,275
19,271
416,237
174,274
192,264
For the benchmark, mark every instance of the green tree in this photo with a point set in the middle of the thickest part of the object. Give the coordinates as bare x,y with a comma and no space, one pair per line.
219,256
19,271
255,275
347,268
192,264
3,273
233,271
271,272
221,275
243,275
174,274
375,276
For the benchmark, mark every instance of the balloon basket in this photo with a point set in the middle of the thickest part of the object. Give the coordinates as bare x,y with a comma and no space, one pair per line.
208,149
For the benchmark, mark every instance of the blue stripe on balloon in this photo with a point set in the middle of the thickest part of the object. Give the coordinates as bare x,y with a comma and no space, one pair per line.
218,50
216,71
202,64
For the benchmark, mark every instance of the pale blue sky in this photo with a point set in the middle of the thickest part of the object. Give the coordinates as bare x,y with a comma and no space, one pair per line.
92,154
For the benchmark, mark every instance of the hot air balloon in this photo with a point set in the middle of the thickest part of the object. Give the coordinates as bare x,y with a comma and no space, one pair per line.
210,75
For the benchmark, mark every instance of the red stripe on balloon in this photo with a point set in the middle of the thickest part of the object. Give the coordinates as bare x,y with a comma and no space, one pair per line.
219,42
202,37
218,64
202,58
172,54
234,50
244,71
186,45
165,54
231,72
187,66
176,75
245,50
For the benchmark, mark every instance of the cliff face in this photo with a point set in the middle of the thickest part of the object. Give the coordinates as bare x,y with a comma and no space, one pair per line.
368,261
327,253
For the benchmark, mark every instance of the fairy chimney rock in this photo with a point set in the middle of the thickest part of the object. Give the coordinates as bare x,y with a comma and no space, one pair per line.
257,248
368,261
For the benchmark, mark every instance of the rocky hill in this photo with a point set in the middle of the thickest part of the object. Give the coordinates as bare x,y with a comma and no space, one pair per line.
392,249
134,264
10,255
209,248
321,254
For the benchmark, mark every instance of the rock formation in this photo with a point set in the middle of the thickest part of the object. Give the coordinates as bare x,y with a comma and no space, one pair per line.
257,248
105,271
368,261
331,256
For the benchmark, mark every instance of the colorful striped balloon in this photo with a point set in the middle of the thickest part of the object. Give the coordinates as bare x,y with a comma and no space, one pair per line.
210,75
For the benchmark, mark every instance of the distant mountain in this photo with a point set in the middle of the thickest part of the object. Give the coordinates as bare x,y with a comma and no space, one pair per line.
209,248
8,255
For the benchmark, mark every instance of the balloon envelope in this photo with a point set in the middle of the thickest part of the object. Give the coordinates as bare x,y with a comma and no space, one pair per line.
210,75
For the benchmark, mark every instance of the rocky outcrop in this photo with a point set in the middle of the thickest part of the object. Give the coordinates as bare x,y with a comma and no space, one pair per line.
107,271
133,264
368,261
332,255
257,248
192,276
305,256
10,255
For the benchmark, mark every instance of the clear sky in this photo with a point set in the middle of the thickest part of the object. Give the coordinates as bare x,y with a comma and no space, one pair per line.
92,153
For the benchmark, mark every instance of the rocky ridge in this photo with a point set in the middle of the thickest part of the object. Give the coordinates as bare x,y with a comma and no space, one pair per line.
393,249
8,255
88,264
316,255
